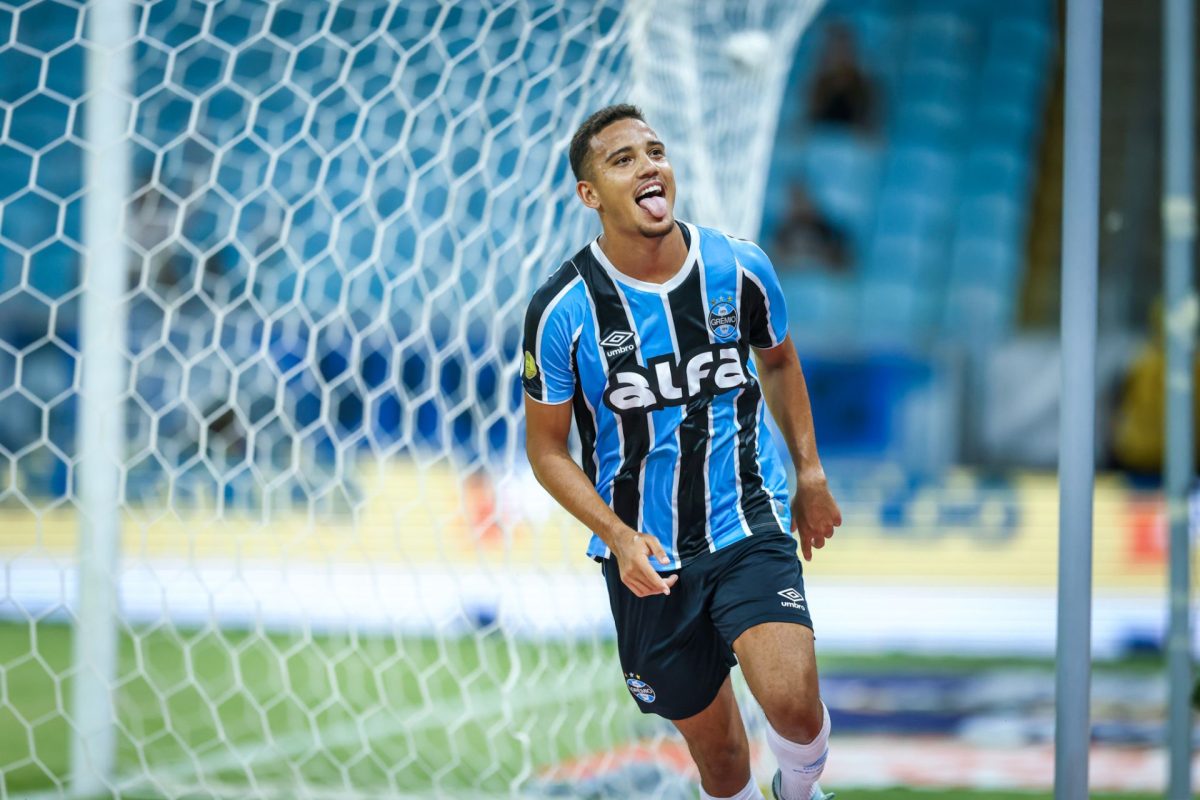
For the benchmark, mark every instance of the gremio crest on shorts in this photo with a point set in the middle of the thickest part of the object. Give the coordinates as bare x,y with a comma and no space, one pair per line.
639,688
722,317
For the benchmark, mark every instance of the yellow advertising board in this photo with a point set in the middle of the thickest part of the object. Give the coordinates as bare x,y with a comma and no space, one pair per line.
962,531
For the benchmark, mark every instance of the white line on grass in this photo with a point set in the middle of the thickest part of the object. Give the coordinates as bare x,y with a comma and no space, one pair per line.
219,790
285,748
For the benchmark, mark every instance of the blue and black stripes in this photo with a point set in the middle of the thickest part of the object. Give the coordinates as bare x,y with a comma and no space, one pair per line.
695,429
663,389
552,324
617,348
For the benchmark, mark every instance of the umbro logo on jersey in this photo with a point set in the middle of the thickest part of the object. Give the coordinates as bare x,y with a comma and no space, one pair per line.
616,339
792,599
709,370
617,343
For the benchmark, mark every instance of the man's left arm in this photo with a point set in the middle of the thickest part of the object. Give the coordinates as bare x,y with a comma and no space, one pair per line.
814,511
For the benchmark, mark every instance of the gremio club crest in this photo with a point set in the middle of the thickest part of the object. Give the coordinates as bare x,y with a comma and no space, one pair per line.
639,688
722,317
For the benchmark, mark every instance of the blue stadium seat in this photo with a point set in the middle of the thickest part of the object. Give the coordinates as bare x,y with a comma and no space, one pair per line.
1040,12
973,9
890,9
1008,127
910,259
878,38
877,35
949,34
993,216
16,171
997,171
1021,42
965,90
936,81
896,312
977,315
928,127
916,214
819,304
775,201
841,172
988,263
1008,84
925,170
790,159
936,124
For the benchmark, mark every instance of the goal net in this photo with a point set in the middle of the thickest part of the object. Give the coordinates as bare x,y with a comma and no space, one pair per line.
265,520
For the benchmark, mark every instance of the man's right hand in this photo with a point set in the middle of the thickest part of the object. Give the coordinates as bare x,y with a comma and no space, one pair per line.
633,552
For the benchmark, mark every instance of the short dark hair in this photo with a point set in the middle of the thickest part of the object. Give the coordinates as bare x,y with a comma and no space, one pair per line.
581,141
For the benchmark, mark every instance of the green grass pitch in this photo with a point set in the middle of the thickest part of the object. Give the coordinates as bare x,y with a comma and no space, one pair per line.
382,714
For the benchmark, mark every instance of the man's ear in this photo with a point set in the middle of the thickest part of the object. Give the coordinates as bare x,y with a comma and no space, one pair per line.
587,194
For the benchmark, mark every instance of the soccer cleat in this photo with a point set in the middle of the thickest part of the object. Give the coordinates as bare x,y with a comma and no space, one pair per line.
777,789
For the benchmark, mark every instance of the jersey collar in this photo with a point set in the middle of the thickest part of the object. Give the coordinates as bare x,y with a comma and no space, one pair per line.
661,288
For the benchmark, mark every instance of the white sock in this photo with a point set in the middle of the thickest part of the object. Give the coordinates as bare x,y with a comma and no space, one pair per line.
800,765
749,792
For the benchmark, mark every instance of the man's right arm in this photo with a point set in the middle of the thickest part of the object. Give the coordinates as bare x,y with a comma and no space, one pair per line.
547,427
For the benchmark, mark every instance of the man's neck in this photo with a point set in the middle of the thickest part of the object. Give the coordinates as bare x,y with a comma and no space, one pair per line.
645,258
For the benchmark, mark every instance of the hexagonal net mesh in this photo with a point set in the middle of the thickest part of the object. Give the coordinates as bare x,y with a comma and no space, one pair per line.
331,572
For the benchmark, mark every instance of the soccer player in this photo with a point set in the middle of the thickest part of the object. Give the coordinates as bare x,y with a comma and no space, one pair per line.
645,338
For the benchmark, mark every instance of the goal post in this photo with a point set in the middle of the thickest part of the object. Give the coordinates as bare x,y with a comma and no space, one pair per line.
101,399
268,530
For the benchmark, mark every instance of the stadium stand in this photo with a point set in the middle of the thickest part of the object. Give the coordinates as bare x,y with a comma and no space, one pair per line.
933,202
938,202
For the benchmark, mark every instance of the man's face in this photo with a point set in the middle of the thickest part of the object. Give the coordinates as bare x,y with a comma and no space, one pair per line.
630,182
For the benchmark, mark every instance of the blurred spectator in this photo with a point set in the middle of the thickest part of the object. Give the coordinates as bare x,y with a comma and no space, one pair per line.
841,92
1138,436
154,228
805,238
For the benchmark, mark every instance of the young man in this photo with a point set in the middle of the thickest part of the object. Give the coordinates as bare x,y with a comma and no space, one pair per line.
645,337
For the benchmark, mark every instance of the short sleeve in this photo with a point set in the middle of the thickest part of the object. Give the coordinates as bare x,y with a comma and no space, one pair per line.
763,306
547,370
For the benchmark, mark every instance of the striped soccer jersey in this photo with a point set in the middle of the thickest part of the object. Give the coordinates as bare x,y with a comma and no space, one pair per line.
666,398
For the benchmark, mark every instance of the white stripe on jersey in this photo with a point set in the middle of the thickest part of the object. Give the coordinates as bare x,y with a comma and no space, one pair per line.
712,544
766,298
762,428
678,444
620,434
595,422
637,340
737,430
758,412
542,327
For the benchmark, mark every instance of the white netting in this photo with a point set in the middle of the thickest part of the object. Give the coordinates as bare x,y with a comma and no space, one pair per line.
712,77
335,577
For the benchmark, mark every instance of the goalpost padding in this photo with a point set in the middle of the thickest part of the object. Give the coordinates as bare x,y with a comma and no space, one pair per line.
335,574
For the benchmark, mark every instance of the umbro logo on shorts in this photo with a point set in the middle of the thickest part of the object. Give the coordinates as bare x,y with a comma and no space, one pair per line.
792,599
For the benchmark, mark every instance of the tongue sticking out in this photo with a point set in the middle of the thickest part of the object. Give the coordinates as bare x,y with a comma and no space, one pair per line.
655,205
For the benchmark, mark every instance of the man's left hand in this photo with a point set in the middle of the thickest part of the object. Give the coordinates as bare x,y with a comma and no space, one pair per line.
814,514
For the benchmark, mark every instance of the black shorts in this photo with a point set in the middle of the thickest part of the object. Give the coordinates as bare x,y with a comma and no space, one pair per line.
677,649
